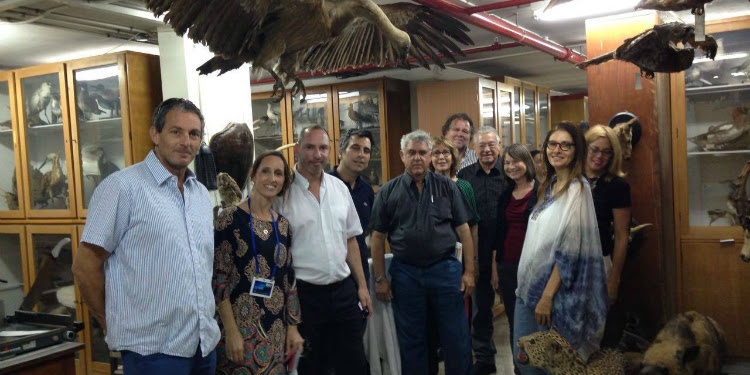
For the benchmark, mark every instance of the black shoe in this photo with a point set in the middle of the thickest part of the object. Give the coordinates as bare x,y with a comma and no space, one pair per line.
484,368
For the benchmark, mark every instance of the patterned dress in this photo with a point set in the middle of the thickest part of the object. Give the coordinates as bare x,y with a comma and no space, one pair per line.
261,321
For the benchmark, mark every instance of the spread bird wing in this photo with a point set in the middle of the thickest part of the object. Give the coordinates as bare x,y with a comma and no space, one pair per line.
216,23
362,43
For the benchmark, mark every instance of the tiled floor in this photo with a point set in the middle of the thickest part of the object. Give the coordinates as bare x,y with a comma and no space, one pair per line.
504,356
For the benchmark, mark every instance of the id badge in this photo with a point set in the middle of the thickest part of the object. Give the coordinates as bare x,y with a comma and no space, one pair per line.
261,287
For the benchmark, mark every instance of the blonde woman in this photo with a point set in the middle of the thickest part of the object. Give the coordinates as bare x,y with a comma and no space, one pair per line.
561,273
612,204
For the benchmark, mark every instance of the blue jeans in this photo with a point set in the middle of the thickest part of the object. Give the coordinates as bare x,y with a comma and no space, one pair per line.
436,287
164,364
524,323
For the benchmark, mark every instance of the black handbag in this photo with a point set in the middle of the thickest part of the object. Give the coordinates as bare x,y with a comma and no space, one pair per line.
205,167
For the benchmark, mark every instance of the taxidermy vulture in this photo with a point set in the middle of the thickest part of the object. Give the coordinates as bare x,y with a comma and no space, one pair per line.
695,6
284,36
656,51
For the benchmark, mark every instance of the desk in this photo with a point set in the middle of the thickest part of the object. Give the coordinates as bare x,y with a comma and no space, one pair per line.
56,359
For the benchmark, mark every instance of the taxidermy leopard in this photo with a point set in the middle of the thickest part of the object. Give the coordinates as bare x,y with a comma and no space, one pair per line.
551,352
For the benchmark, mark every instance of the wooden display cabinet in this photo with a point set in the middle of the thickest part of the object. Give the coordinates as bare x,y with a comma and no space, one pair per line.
11,202
112,98
63,297
711,278
531,112
13,266
44,136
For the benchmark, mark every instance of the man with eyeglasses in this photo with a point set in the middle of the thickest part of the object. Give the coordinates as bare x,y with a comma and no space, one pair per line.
423,215
459,129
486,177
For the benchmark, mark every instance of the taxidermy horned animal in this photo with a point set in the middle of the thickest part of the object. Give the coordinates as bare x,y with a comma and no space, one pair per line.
656,51
284,36
624,133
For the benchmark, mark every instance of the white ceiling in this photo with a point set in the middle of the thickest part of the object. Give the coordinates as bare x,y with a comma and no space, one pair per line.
80,28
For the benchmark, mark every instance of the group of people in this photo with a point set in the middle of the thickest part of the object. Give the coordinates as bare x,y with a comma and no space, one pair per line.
286,272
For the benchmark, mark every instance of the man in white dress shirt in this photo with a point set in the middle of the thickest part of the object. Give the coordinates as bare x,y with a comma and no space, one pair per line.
330,281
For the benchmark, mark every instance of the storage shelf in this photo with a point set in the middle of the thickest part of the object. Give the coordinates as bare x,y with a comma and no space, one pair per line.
114,120
717,89
695,153
46,126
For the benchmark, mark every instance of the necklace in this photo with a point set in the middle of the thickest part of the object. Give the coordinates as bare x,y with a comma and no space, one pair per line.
593,181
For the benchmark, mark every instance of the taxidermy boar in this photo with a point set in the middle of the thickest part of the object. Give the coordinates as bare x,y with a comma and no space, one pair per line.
689,344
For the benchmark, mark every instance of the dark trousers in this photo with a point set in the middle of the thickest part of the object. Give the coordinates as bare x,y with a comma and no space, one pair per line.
163,364
481,323
508,278
332,328
437,288
614,326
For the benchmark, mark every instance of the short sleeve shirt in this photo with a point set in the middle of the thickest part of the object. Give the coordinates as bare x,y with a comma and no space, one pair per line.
609,195
420,226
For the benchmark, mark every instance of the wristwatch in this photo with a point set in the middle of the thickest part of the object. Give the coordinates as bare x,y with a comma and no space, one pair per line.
380,278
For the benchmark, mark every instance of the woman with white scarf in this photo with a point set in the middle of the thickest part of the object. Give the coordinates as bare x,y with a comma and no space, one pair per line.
561,280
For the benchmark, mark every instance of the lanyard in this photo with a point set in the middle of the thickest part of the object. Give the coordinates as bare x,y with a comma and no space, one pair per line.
276,250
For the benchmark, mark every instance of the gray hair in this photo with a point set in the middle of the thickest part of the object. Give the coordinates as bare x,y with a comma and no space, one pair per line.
486,130
416,136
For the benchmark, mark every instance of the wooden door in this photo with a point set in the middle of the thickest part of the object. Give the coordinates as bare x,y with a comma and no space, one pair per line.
45,142
11,203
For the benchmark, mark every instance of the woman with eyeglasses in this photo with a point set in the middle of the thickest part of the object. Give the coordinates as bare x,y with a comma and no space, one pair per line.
612,204
513,216
561,279
445,161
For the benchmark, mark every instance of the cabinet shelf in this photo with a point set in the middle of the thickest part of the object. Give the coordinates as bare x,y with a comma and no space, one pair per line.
45,126
717,153
717,89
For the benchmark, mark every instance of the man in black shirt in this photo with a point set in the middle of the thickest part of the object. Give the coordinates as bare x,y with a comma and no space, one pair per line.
486,177
354,153
422,213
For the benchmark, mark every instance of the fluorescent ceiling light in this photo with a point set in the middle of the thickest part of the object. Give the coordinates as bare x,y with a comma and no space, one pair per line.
582,9
715,77
726,56
739,74
345,94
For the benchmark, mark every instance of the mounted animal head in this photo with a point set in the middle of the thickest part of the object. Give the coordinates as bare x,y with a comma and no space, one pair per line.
624,133
669,361
548,350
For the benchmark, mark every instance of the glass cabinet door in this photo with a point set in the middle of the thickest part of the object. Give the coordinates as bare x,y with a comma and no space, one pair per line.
529,117
717,115
487,105
359,108
544,119
517,115
45,134
267,124
12,267
505,114
314,111
97,127
11,203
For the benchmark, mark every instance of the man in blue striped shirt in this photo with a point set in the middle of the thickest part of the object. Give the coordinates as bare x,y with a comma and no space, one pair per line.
145,261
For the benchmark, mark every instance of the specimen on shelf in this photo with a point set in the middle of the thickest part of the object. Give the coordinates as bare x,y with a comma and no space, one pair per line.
717,214
87,105
233,149
741,206
728,136
11,197
37,102
95,164
54,181
360,118
108,99
286,36
229,191
656,51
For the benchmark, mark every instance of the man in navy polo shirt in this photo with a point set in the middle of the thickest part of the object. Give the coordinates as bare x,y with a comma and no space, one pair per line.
354,153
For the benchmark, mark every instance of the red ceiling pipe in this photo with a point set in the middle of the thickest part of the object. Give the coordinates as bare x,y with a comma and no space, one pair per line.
470,51
502,27
499,5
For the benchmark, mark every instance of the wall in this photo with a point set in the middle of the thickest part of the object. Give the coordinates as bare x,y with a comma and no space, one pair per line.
646,285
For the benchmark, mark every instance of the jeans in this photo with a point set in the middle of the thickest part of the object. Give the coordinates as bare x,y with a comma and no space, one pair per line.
524,323
438,288
163,364
332,326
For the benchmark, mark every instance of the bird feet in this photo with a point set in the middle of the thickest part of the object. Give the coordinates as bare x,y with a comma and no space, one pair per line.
278,86
299,86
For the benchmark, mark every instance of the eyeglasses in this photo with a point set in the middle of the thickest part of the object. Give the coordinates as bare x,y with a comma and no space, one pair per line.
444,153
565,146
596,151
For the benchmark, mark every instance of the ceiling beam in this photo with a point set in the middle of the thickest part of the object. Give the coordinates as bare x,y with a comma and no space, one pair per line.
12,4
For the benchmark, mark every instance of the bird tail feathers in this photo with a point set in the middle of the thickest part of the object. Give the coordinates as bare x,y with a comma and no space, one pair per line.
219,63
596,60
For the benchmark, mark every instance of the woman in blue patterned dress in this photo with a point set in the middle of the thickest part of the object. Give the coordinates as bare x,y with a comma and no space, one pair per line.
254,282
561,271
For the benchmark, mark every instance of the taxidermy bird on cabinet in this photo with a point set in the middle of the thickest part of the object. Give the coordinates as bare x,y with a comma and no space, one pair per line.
284,36
87,104
38,102
229,191
360,118
54,181
96,165
272,115
723,136
107,99
696,7
53,112
656,51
